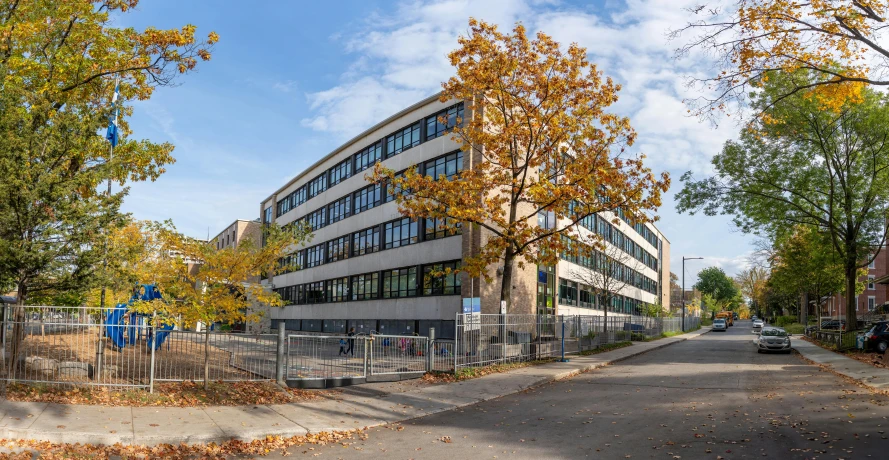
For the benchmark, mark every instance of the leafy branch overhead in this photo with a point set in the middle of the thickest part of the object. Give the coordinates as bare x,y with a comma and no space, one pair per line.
536,138
839,43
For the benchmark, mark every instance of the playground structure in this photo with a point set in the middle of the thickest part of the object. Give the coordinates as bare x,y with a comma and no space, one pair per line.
122,332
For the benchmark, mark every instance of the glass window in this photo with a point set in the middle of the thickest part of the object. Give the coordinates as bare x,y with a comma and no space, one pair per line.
337,289
366,241
317,185
871,303
546,219
367,198
443,284
340,209
267,215
401,232
447,166
567,292
338,249
298,197
340,172
403,139
870,283
434,125
315,292
317,219
439,228
400,282
366,286
367,157
315,255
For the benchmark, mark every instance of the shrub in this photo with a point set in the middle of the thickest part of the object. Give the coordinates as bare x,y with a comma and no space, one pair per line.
782,321
637,337
795,328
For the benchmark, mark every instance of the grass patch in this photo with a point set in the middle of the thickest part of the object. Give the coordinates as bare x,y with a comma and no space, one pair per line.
167,394
606,347
467,373
795,328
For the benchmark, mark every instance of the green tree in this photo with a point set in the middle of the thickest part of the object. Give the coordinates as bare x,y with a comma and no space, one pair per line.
714,282
805,263
799,164
59,64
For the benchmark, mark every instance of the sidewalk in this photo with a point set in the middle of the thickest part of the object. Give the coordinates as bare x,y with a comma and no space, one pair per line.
870,376
357,407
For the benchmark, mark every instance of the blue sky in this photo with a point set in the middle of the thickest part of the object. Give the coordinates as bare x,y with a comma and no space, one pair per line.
291,80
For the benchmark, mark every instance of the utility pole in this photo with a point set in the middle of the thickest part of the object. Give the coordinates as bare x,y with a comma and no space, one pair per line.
683,287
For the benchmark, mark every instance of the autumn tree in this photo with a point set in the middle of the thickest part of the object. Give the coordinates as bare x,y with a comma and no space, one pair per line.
801,165
752,283
202,284
537,140
840,42
58,65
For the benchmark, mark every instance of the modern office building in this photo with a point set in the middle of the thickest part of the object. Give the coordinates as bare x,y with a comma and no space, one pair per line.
366,265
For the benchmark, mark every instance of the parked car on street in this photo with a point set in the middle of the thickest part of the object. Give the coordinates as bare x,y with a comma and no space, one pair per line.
757,324
877,337
772,339
719,324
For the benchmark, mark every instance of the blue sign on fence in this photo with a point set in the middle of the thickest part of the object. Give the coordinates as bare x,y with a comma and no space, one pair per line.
472,305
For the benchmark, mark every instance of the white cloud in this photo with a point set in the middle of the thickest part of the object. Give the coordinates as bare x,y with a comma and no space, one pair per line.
284,86
400,58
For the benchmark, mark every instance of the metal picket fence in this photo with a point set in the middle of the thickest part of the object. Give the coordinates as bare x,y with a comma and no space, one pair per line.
73,346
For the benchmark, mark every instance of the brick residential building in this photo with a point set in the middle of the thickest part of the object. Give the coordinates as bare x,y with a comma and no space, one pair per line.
876,289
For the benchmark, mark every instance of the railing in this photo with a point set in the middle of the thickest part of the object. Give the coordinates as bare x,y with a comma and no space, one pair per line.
315,357
392,354
838,340
73,346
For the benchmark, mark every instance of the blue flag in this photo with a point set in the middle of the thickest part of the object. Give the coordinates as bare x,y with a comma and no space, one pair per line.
112,134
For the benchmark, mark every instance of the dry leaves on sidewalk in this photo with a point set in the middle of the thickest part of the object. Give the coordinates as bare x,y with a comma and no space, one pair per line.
178,394
24,449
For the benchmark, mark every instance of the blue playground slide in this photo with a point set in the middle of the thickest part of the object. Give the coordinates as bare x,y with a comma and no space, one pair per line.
114,320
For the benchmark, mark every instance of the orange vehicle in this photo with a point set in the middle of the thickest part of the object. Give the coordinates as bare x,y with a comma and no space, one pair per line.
727,316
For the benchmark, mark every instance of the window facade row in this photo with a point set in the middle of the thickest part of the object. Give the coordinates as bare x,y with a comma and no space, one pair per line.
388,235
427,280
372,195
416,133
612,269
611,234
583,296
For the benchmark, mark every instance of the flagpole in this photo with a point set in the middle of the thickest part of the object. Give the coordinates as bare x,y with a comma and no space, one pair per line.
112,141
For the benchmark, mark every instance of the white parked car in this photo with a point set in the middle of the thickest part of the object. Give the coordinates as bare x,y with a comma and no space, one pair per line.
758,324
719,325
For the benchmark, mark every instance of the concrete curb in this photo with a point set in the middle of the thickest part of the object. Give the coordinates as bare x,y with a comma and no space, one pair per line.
93,425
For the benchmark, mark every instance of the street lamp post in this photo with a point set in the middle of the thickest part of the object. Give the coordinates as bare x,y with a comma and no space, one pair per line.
683,287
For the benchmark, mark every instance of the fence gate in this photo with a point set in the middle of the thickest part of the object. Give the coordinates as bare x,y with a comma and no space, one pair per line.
398,354
316,357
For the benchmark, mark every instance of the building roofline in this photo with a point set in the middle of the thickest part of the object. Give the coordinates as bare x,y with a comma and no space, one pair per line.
233,222
354,139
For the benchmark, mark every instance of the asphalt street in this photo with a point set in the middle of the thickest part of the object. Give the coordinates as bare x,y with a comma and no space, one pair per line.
712,397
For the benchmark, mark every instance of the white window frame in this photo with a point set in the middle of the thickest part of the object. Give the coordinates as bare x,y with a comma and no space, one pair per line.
872,264
871,302
870,283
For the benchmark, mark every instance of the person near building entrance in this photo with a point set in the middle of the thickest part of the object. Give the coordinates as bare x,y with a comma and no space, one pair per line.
351,349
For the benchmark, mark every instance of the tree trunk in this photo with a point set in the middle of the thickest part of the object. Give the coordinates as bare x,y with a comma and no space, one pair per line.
851,303
18,331
506,279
